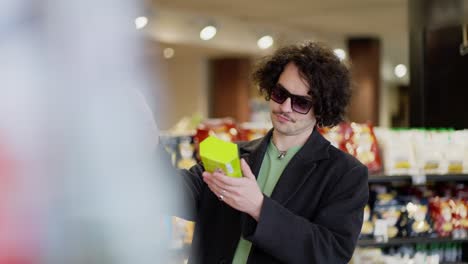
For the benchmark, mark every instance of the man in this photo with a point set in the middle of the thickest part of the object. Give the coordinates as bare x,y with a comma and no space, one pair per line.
301,200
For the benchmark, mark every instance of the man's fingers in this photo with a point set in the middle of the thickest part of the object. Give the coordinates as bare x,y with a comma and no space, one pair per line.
226,180
214,182
246,171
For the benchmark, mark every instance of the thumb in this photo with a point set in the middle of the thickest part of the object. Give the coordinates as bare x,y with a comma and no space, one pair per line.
246,171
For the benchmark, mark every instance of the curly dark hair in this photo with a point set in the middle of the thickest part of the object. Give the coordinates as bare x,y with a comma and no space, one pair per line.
328,78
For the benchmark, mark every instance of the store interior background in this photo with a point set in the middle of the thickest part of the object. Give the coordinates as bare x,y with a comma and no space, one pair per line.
210,77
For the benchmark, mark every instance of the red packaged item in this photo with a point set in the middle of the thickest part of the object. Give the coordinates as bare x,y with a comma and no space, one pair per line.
360,141
441,213
459,219
222,128
251,131
336,135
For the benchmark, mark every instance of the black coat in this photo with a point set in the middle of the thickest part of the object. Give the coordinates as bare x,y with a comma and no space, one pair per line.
314,214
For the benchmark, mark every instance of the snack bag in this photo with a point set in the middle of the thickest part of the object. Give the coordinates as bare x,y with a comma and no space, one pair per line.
459,219
223,128
362,143
455,152
398,153
418,219
336,135
367,226
441,213
252,130
388,209
428,146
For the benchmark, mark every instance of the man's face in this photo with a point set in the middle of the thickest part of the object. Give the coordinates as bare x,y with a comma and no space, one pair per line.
286,121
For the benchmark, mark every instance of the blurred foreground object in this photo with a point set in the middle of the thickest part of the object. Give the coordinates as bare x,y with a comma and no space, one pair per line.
85,186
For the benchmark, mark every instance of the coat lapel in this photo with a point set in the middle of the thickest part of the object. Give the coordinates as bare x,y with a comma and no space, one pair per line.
255,153
300,167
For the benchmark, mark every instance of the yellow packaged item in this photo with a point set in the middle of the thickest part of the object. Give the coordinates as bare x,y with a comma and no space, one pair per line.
216,153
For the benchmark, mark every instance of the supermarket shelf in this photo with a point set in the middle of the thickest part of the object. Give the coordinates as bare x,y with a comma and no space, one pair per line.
430,177
385,178
408,240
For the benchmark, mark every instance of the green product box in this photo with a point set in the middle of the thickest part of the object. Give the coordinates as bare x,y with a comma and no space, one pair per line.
216,153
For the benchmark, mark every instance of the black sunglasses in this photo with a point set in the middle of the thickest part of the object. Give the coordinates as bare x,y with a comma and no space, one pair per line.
299,104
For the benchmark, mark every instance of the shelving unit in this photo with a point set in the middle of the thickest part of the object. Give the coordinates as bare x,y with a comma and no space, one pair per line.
417,180
379,178
406,241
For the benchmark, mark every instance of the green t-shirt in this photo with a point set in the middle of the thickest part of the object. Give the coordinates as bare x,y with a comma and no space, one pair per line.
270,172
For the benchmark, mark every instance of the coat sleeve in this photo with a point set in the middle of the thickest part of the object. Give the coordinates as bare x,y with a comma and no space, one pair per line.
186,185
191,186
330,236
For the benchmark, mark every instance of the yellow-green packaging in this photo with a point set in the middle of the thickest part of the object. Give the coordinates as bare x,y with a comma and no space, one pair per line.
216,153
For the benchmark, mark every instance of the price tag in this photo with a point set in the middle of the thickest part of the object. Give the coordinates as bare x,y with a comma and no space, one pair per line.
418,179
381,230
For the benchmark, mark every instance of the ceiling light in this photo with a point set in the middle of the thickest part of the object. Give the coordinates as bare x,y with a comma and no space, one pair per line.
340,53
265,42
208,32
168,53
400,70
141,22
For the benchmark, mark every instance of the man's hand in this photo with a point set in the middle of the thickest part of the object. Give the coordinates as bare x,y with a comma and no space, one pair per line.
242,194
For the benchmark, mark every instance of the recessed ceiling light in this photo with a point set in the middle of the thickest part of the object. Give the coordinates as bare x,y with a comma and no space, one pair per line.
400,70
340,53
265,42
168,53
208,32
141,22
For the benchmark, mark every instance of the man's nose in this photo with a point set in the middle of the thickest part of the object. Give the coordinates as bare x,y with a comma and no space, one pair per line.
286,106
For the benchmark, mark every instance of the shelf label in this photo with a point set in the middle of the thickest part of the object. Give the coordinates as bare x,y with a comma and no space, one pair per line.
418,179
381,230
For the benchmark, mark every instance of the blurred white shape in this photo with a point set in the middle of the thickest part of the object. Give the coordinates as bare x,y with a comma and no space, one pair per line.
208,32
400,70
340,53
265,42
168,53
73,116
141,22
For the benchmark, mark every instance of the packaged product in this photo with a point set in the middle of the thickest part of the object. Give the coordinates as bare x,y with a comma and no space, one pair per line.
441,214
418,219
219,154
222,128
387,208
186,151
459,219
367,226
398,153
455,152
336,134
360,141
429,145
252,130
180,148
182,232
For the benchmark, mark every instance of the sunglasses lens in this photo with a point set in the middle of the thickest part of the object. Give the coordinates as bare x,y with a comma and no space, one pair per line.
298,103
278,95
301,105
